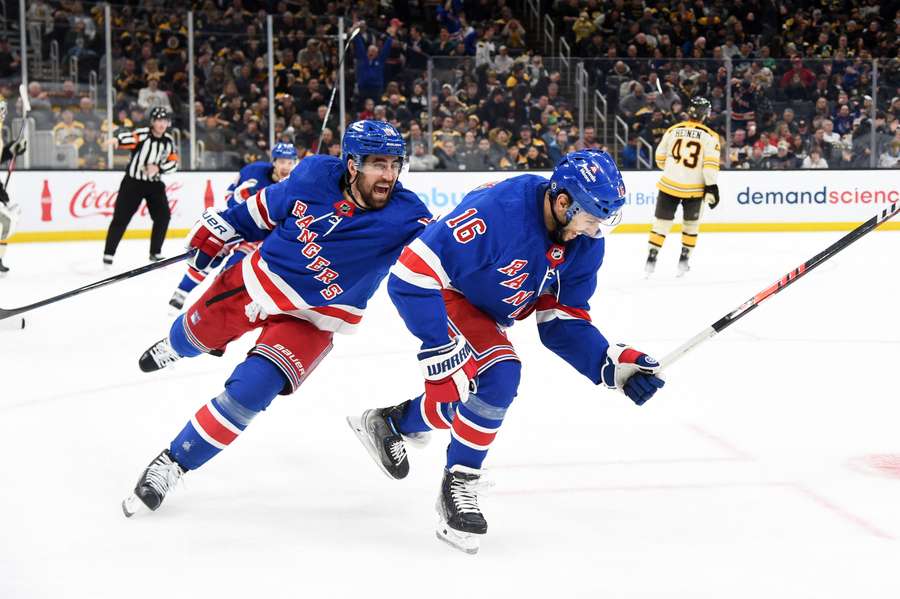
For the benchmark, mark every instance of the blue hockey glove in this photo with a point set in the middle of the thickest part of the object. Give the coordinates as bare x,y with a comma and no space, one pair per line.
632,372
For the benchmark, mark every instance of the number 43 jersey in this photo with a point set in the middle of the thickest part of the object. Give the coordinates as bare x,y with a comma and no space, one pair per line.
495,250
688,155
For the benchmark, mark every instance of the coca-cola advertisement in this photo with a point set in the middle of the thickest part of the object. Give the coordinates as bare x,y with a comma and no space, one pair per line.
78,205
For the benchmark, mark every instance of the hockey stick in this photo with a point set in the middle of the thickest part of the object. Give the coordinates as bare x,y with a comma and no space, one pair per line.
26,108
6,313
353,34
748,306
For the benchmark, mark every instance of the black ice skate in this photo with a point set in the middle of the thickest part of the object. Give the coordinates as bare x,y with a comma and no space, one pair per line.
461,522
161,475
158,356
107,261
683,265
376,430
650,265
4,270
177,301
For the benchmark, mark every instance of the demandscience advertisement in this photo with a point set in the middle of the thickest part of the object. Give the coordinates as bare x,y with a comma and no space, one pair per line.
68,205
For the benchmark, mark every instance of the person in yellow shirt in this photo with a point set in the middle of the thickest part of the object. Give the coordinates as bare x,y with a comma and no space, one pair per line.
688,155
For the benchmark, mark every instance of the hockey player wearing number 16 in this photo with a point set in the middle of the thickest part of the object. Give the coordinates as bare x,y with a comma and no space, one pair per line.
330,232
688,155
509,249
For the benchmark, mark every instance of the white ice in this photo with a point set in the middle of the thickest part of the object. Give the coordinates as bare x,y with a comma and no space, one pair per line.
749,475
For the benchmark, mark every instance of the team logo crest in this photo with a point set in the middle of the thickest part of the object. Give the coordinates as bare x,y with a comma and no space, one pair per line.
556,255
344,208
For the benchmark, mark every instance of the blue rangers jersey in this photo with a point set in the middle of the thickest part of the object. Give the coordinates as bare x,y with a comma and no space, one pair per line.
261,171
322,257
495,249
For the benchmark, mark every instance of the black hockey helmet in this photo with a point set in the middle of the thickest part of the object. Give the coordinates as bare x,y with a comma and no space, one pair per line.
699,109
158,113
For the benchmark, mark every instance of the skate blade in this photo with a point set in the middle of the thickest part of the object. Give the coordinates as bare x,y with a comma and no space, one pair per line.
131,505
465,542
355,423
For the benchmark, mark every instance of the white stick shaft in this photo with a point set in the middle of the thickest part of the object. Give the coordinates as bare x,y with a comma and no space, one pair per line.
680,351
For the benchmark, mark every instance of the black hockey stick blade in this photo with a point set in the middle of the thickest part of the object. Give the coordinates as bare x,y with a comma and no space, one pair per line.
8,313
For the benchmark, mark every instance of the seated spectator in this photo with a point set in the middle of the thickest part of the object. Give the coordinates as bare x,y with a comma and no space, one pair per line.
890,158
67,98
503,62
480,158
783,159
512,160
814,160
448,159
557,148
68,131
536,160
633,102
86,114
421,160
151,96
91,154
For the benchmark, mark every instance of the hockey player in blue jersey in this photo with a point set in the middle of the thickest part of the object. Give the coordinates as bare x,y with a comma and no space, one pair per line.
252,178
509,249
330,232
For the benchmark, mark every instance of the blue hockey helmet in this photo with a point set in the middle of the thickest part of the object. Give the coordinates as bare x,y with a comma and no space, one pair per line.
364,138
284,150
592,181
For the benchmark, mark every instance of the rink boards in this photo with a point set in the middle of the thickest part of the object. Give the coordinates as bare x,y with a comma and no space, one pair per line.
72,205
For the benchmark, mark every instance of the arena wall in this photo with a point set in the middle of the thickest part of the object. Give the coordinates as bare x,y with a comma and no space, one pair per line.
73,205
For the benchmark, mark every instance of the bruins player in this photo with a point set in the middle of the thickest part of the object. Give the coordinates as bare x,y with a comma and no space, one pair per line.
688,155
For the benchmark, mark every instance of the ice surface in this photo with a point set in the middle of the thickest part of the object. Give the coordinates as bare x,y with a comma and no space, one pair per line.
745,477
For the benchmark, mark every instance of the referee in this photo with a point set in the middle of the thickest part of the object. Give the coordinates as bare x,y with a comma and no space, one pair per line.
152,154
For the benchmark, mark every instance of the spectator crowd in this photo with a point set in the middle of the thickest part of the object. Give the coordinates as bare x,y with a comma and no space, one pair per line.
799,77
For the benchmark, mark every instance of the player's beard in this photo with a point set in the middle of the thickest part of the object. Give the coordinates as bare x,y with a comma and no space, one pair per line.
376,195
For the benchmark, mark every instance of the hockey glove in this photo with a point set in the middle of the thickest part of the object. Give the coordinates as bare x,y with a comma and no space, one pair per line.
243,191
448,370
632,372
711,195
209,236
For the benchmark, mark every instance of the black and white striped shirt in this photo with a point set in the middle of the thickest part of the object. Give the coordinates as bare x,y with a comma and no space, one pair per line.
147,149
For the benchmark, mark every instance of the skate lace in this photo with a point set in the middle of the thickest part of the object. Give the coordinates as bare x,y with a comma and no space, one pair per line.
163,354
465,494
398,451
163,475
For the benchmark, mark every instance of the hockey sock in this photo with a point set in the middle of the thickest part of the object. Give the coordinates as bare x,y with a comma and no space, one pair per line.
689,236
191,279
250,389
2,249
658,233
180,338
194,277
422,415
479,417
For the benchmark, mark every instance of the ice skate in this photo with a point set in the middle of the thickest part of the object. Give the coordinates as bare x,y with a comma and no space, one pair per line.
107,261
177,301
683,264
161,475
156,258
158,356
4,270
376,430
650,265
461,522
